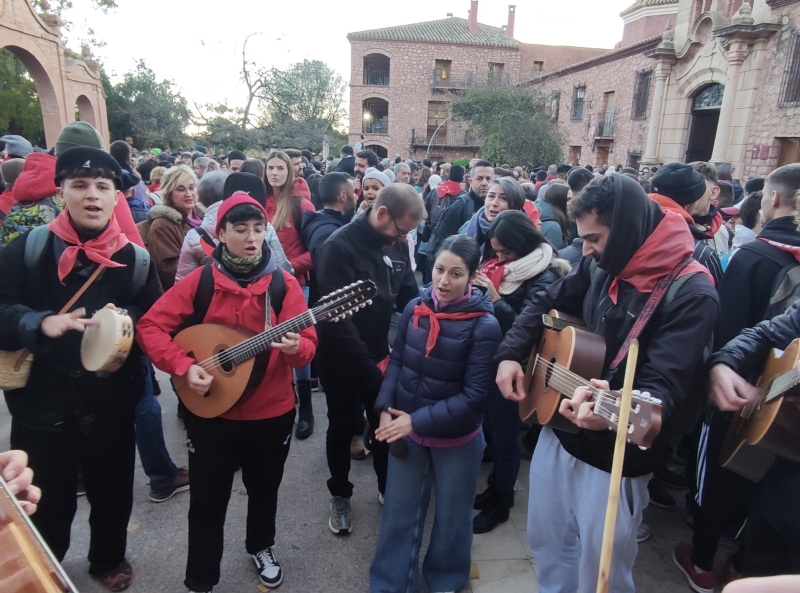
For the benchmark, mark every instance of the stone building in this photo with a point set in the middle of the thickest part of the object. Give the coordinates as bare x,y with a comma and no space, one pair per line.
715,80
65,84
403,79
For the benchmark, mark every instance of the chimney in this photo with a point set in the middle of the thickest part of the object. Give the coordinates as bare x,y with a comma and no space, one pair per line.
473,17
449,15
512,11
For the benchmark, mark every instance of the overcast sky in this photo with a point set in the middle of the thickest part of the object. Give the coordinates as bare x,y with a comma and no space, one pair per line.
198,44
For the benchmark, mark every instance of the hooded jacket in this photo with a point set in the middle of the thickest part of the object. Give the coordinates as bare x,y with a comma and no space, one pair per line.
193,255
550,227
289,237
35,195
573,252
446,391
460,210
672,343
747,285
317,227
356,251
232,305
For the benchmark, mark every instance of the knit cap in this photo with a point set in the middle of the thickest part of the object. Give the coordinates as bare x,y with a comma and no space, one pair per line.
237,199
17,146
434,181
78,133
679,182
375,174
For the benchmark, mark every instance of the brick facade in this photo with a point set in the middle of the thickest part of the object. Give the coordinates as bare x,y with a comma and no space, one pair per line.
62,83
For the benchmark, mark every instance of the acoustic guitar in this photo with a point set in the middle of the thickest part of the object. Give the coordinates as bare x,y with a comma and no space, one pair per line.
769,427
566,357
233,357
26,563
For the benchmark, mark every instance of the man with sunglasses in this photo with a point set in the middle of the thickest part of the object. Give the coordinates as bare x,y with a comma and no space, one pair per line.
353,352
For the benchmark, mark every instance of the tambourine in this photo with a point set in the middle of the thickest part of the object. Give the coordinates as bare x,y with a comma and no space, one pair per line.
107,342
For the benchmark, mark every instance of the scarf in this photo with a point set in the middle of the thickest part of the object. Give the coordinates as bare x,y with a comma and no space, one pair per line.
448,188
508,277
793,249
195,219
240,265
666,247
423,310
99,249
478,225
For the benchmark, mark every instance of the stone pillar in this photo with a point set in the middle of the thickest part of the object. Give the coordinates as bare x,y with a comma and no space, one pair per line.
661,73
736,56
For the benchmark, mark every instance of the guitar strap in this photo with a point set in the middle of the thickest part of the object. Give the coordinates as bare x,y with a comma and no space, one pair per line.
662,286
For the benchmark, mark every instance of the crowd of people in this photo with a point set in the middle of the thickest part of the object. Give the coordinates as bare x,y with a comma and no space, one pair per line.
466,262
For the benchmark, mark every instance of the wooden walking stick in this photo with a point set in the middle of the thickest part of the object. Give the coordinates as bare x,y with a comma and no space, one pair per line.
616,469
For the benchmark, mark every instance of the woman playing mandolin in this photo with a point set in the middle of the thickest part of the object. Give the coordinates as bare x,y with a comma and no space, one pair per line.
257,430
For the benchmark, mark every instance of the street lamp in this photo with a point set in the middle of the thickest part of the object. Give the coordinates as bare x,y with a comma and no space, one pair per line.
581,92
367,116
428,152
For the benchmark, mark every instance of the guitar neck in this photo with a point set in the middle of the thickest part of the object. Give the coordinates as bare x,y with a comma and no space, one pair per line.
257,344
783,383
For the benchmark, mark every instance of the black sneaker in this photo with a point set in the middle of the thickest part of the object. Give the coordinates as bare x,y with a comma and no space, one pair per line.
659,497
269,570
180,483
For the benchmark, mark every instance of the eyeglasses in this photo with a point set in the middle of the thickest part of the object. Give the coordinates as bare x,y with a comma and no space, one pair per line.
400,232
244,231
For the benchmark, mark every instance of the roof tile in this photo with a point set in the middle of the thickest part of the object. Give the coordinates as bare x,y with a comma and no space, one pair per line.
450,30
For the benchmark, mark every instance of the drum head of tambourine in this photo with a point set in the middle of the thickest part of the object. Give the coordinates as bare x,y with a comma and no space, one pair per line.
99,341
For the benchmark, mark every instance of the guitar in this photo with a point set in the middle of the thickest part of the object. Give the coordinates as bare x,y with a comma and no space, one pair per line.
26,563
767,428
565,357
231,356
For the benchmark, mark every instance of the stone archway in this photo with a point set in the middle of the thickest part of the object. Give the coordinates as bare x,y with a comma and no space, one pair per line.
62,81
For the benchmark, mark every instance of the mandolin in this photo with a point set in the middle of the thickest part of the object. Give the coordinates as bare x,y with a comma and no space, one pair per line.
767,428
566,357
232,358
26,563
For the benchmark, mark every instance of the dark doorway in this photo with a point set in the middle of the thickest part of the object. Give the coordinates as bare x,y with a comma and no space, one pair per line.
379,150
702,135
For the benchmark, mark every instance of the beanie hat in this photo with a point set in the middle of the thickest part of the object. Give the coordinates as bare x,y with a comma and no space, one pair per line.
17,146
389,174
679,182
434,181
237,199
245,183
10,170
78,133
375,174
754,184
85,157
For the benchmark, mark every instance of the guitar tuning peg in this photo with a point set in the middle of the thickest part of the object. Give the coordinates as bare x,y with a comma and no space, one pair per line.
636,392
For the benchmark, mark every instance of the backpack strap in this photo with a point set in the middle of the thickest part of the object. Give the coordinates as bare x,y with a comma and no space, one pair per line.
141,268
205,292
204,236
35,244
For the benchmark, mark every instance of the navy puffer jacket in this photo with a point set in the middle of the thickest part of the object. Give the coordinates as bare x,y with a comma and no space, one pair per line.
445,393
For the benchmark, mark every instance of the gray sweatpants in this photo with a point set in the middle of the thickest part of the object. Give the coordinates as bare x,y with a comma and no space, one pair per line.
566,513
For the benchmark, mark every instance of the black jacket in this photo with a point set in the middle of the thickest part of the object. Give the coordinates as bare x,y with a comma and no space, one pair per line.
508,306
354,252
317,227
572,252
670,346
58,384
460,210
747,285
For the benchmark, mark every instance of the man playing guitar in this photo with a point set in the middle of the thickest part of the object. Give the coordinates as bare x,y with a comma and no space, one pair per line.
630,244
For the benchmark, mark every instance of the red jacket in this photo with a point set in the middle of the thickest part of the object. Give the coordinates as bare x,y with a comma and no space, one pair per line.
296,253
230,306
6,201
36,182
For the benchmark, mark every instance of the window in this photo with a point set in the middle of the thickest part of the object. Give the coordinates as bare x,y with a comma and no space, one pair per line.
641,94
606,119
438,111
538,66
554,105
578,95
789,151
496,71
790,85
376,70
442,71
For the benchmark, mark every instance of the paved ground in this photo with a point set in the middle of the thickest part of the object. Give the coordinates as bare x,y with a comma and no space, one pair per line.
313,559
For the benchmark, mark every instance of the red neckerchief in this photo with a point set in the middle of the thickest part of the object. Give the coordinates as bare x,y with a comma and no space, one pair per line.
493,270
99,250
666,247
533,213
423,310
448,188
793,249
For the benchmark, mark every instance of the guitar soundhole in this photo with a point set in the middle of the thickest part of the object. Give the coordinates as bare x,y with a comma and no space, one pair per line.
226,367
549,373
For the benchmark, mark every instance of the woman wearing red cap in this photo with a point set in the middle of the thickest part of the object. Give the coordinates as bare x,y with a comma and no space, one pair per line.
255,432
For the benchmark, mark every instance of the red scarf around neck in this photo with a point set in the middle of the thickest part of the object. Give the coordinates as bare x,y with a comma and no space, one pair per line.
793,249
666,247
493,270
99,250
423,310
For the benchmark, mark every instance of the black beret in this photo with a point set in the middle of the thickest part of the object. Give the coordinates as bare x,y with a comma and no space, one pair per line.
86,157
248,183
679,182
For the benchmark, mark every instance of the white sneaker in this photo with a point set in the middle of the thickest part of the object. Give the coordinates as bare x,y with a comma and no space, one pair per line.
269,570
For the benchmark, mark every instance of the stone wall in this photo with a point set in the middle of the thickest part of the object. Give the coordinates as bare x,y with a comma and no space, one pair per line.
554,57
411,69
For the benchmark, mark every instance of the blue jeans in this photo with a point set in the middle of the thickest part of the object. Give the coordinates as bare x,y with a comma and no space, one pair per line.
395,567
153,452
303,373
502,420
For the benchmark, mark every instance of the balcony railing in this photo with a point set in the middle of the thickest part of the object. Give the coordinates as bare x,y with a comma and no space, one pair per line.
469,79
376,77
605,127
445,137
375,126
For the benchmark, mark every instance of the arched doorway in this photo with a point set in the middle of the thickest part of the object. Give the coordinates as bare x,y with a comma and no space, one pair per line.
85,110
705,118
45,92
381,151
